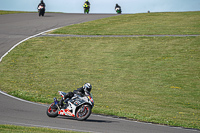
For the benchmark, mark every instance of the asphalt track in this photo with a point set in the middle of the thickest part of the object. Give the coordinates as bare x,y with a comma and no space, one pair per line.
14,28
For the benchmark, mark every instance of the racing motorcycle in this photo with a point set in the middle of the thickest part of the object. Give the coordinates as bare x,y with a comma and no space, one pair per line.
41,10
77,107
118,10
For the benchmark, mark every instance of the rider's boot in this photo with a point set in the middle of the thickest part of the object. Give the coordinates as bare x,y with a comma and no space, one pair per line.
60,103
66,101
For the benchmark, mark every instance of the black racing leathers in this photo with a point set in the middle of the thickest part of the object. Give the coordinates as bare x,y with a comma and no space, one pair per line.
42,4
69,95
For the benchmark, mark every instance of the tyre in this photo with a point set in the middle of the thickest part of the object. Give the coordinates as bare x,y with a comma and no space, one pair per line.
83,112
86,11
40,12
52,110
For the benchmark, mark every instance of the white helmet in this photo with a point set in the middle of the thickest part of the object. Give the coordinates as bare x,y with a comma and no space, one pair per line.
87,87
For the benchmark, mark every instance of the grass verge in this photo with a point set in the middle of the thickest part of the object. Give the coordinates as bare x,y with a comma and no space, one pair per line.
2,12
166,23
20,129
153,79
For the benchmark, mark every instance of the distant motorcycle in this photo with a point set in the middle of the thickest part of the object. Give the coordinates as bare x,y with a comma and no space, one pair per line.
41,10
86,8
78,107
118,10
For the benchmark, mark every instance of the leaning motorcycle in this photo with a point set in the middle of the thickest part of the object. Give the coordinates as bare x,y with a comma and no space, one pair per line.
118,10
77,107
41,10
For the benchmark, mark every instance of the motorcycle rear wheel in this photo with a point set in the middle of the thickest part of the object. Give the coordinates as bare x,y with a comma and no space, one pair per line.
83,112
52,110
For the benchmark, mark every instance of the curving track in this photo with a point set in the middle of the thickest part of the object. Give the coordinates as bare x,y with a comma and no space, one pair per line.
16,27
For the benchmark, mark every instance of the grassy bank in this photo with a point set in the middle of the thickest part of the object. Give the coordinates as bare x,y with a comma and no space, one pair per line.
20,129
154,79
139,24
2,12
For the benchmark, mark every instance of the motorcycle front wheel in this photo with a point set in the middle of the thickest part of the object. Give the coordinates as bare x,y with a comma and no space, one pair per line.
83,112
52,110
86,11
41,12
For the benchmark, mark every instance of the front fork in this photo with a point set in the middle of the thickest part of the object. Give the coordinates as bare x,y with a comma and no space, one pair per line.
83,108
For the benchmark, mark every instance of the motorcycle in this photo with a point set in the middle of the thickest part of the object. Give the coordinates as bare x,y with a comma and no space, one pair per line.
78,107
118,10
86,8
41,10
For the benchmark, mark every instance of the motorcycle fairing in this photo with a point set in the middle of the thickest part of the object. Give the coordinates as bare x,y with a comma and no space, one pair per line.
91,99
66,112
78,100
40,7
62,94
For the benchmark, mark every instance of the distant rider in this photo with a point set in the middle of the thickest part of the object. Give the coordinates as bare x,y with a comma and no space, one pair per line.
83,91
42,4
117,7
87,5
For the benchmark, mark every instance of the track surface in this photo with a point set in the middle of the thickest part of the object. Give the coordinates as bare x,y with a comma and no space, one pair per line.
16,27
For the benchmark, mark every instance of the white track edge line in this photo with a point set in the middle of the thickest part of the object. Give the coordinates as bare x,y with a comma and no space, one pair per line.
43,126
11,50
21,99
24,41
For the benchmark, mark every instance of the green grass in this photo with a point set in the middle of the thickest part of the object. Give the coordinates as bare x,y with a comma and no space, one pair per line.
153,79
2,12
20,129
139,24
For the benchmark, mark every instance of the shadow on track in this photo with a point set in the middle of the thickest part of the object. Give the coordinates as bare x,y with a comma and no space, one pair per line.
100,121
88,120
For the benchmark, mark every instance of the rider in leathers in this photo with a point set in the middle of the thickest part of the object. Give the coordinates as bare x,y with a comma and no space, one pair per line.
42,4
117,6
87,3
83,91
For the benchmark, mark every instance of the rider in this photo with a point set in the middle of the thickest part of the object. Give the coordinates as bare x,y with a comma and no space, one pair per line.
42,4
117,6
87,5
83,91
